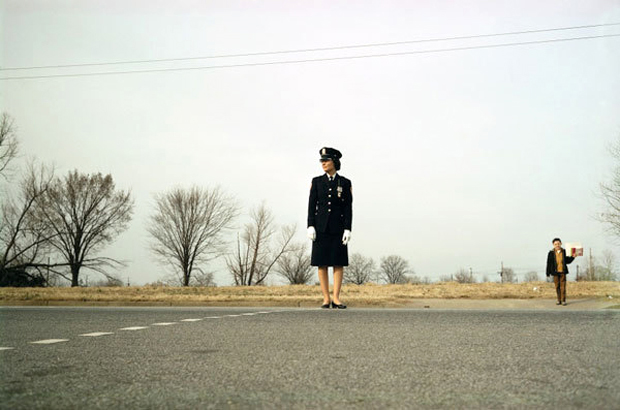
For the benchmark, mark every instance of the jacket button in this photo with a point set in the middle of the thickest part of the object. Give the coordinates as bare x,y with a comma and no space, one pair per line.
329,203
329,210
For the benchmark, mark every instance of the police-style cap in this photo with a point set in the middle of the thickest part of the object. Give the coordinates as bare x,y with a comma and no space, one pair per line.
330,153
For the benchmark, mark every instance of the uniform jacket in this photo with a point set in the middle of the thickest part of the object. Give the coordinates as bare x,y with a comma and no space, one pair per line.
330,204
552,265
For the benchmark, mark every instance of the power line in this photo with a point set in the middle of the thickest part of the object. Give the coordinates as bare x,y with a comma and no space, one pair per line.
307,50
442,50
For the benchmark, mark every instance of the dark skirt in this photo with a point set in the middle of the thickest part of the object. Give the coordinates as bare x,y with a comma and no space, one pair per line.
328,250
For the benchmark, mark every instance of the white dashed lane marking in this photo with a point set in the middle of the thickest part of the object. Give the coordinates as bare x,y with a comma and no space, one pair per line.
134,328
97,334
49,341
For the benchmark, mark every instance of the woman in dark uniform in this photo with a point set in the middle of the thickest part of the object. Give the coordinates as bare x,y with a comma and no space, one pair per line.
329,224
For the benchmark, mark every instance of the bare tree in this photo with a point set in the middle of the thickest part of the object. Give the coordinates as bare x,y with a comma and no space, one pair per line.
24,235
255,255
531,276
508,275
8,142
294,266
446,278
361,270
464,276
394,269
590,273
109,282
607,268
203,279
85,213
610,192
416,280
187,229
602,268
199,278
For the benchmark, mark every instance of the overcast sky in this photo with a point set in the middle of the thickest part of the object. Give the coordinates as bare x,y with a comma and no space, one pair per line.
462,158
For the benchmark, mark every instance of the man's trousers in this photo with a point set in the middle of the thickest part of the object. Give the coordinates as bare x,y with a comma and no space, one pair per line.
559,279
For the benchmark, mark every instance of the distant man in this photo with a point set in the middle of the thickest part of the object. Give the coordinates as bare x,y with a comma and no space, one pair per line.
557,262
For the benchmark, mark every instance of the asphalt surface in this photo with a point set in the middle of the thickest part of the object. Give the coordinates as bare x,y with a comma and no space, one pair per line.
301,358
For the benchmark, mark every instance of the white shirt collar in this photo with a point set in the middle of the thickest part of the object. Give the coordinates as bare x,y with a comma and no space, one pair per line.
329,176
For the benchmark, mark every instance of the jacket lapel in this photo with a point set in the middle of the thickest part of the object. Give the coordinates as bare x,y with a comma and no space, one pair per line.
325,182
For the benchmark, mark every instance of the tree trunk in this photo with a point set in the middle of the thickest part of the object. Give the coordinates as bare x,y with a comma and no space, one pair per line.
75,274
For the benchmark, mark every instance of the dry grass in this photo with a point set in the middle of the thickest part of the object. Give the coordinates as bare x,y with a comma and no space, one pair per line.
366,295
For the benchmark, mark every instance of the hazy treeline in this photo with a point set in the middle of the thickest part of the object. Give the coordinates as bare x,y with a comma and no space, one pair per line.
53,227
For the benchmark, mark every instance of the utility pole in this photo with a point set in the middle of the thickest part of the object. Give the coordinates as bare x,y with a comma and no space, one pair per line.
471,275
591,273
501,273
577,277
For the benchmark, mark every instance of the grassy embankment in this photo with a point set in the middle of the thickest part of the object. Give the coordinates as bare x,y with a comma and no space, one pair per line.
305,296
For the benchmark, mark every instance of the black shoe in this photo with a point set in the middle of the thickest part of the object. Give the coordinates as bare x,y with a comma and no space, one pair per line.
325,306
337,306
558,303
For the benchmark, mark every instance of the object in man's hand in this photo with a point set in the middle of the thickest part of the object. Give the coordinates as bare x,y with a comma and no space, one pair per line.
573,249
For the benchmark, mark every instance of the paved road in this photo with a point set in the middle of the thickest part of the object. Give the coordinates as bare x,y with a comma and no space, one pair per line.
358,358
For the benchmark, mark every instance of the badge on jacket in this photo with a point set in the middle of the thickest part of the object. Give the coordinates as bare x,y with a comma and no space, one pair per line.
339,191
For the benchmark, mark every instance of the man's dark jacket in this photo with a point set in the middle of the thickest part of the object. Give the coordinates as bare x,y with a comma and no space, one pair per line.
327,211
552,264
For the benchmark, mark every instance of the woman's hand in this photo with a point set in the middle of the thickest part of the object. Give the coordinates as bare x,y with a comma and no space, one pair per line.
346,237
311,233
